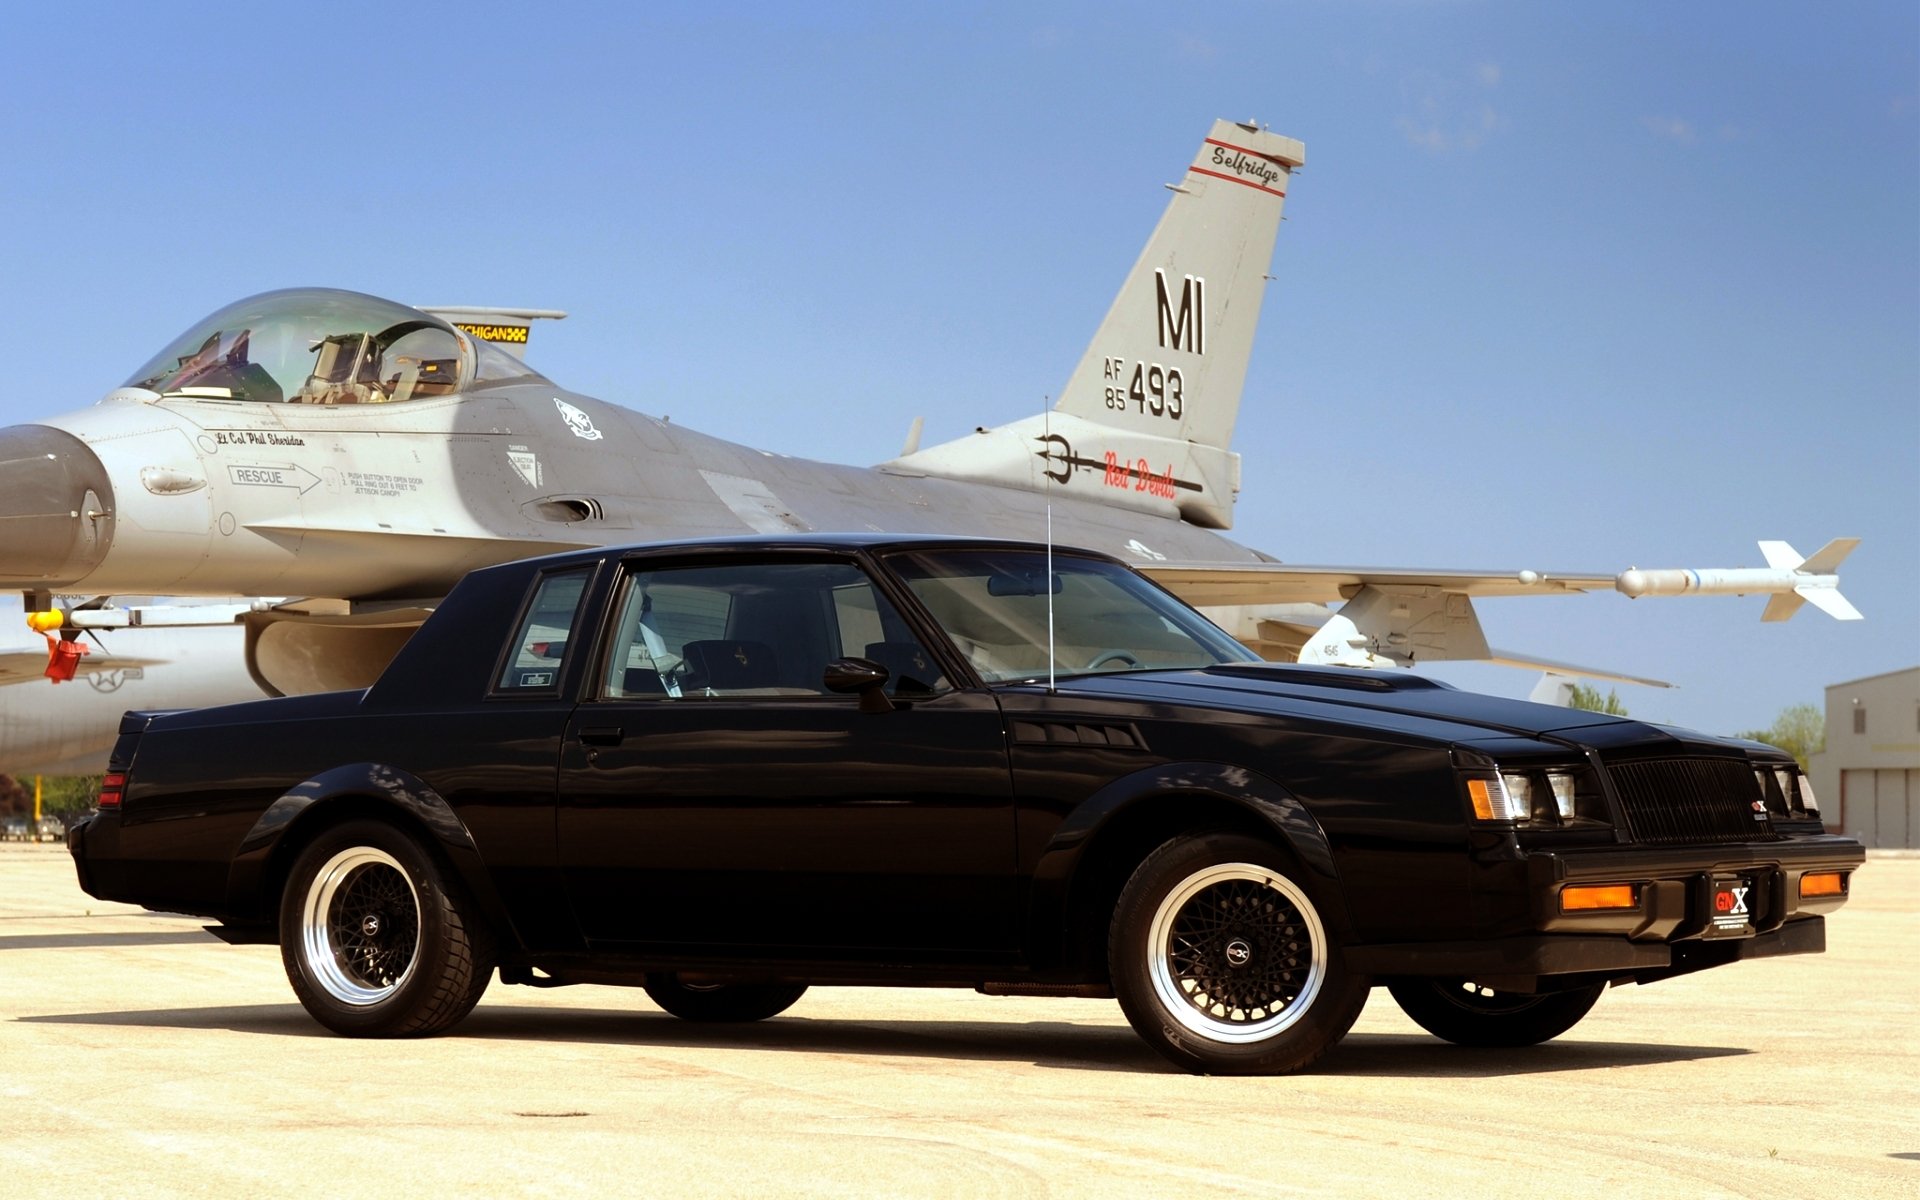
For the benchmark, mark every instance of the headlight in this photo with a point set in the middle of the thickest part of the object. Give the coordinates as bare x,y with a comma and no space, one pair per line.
1539,797
1565,790
1786,791
1807,800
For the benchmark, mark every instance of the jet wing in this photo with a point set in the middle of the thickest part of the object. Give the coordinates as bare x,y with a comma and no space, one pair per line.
1215,584
1510,658
18,665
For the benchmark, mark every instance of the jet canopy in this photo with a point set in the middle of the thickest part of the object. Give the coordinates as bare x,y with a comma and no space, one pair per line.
322,346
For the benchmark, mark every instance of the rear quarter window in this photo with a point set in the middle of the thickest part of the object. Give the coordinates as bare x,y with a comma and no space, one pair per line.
539,649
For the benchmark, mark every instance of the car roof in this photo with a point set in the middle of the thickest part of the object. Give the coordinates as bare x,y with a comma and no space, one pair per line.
796,542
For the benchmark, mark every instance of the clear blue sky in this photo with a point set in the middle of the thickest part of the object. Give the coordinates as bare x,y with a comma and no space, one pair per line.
1573,287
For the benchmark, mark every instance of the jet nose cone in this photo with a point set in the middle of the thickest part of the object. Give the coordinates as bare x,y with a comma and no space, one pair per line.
56,508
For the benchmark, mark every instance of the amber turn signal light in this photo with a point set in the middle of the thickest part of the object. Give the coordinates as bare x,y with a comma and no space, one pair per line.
1823,883
1492,801
1588,897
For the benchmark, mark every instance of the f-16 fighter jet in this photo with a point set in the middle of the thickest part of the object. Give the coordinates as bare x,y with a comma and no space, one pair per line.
358,456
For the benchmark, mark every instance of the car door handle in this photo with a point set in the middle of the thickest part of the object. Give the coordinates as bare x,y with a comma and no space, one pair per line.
602,735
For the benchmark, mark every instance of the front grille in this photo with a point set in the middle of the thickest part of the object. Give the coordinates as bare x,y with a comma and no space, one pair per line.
1690,801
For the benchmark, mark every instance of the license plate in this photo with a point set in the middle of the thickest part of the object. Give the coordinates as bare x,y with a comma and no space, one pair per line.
1732,909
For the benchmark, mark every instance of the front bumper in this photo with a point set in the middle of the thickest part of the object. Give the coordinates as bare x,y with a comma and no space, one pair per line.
1674,886
1518,964
1671,929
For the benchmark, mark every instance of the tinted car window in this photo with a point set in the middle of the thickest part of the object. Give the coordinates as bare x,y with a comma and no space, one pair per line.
1003,608
541,642
758,629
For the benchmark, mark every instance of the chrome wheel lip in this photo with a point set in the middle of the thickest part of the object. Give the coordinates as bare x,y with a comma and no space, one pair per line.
1175,999
317,946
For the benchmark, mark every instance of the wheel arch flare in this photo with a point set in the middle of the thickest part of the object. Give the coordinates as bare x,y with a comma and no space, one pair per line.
1087,861
375,790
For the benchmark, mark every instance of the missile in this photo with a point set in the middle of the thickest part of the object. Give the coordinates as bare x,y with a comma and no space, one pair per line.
1789,579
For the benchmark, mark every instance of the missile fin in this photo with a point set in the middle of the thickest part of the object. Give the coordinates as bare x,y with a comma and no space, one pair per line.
1826,560
1781,606
1829,601
1556,690
1781,557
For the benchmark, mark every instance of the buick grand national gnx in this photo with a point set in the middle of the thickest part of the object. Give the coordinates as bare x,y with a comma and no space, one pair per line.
726,772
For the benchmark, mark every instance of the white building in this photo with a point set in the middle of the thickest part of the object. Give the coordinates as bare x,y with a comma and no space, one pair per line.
1868,778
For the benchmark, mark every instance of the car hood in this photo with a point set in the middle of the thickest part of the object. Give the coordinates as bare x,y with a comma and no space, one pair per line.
1412,705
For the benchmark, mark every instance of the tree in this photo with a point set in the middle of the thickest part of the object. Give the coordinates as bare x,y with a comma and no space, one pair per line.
62,796
1589,699
15,800
1800,730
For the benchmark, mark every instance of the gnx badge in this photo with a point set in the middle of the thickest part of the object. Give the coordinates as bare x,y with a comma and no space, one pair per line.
1731,917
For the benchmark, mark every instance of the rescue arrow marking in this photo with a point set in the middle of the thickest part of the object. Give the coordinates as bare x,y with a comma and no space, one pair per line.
272,477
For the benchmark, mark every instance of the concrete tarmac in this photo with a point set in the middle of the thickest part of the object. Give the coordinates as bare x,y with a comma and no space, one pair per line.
140,1057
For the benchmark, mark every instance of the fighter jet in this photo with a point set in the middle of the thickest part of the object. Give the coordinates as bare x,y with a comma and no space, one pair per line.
361,455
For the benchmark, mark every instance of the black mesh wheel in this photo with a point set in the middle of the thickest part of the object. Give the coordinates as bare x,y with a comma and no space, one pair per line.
377,937
1223,963
360,926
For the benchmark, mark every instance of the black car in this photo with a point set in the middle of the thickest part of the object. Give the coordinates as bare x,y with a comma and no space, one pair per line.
728,771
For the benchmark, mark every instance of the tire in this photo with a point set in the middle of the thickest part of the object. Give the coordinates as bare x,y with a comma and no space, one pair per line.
1468,1014
722,1003
1223,963
378,938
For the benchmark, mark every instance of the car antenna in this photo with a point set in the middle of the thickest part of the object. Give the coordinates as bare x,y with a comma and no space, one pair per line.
1046,428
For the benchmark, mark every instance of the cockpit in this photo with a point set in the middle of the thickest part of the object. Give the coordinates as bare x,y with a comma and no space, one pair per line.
324,346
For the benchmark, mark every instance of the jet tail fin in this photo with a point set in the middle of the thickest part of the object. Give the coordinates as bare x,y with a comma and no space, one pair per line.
1145,419
1170,359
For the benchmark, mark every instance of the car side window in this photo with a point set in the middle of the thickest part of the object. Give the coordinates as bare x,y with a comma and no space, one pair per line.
540,645
756,629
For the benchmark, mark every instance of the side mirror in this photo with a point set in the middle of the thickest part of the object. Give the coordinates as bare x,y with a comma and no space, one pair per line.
861,675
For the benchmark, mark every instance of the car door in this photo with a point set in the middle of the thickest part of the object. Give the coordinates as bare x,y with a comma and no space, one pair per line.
715,797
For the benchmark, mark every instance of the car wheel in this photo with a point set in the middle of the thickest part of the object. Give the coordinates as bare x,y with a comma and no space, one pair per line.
1472,1014
721,1002
379,940
1222,962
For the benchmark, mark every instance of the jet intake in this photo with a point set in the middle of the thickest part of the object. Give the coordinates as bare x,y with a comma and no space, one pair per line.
293,653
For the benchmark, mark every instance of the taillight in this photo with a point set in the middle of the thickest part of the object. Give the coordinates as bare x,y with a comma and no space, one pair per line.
112,786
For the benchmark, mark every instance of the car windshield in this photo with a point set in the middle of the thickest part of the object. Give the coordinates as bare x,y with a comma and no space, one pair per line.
994,604
320,346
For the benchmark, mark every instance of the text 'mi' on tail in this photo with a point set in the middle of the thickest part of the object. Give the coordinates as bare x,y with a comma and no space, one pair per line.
1146,418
